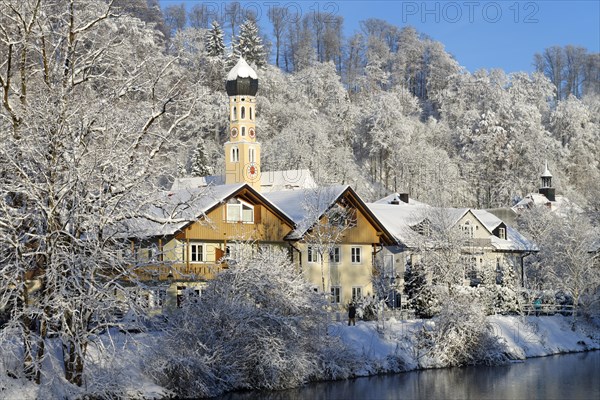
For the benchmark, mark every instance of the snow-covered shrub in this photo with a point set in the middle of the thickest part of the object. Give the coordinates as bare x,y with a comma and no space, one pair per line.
367,309
459,335
257,325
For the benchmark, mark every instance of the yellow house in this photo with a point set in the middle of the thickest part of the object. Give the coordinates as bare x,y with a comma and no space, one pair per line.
337,239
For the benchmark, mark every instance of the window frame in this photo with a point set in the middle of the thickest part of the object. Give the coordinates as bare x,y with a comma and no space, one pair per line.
335,255
356,254
191,252
240,205
312,255
336,294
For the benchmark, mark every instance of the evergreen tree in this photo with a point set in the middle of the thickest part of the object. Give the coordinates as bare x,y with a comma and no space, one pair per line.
249,45
199,162
215,47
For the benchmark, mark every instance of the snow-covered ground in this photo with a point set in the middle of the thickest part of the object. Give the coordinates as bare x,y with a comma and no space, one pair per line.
388,347
384,346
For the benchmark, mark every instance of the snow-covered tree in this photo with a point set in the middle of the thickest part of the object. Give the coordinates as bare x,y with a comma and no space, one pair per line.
566,260
215,46
257,325
249,44
89,101
200,165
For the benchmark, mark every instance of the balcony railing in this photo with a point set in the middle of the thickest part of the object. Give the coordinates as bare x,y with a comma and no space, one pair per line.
180,272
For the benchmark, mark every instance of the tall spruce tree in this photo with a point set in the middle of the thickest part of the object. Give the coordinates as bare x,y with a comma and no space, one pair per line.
199,162
215,47
248,44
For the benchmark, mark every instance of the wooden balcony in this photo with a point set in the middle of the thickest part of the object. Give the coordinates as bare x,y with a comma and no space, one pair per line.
180,272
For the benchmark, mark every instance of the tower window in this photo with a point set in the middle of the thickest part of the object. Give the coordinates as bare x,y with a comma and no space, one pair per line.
251,155
235,154
243,112
250,110
233,114
243,131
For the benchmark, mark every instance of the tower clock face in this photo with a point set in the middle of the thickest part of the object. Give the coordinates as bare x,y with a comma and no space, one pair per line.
252,133
234,132
252,170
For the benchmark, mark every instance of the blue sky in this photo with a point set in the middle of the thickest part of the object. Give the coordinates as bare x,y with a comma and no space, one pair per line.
480,34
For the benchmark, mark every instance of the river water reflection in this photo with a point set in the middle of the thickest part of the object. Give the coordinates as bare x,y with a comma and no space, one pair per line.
570,376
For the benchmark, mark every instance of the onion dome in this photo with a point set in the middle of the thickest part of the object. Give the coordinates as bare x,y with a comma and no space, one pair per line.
242,80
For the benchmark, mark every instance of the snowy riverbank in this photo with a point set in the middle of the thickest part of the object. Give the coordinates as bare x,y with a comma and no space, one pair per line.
391,347
381,348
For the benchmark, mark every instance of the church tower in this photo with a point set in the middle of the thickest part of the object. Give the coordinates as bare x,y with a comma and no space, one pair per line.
242,151
546,189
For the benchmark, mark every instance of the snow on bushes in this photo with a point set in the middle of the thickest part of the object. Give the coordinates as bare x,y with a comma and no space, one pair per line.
459,335
258,325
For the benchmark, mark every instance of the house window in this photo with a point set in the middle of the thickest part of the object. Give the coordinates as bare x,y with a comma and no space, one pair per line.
334,255
336,297
312,254
240,212
197,252
467,229
356,293
356,255
235,154
502,233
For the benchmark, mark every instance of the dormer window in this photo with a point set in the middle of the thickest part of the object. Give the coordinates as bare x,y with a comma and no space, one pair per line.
502,233
423,228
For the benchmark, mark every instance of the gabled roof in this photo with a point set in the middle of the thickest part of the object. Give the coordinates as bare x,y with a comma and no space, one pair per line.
400,219
487,219
173,210
307,206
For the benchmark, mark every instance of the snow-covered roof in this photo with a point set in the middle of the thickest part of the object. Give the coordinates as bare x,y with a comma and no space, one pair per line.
197,182
489,220
305,206
514,242
175,209
395,199
400,219
292,179
241,70
270,181
560,204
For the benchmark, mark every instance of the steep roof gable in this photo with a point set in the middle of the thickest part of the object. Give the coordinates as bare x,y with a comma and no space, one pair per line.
176,209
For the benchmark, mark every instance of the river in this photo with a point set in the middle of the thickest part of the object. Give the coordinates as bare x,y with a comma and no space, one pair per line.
567,376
